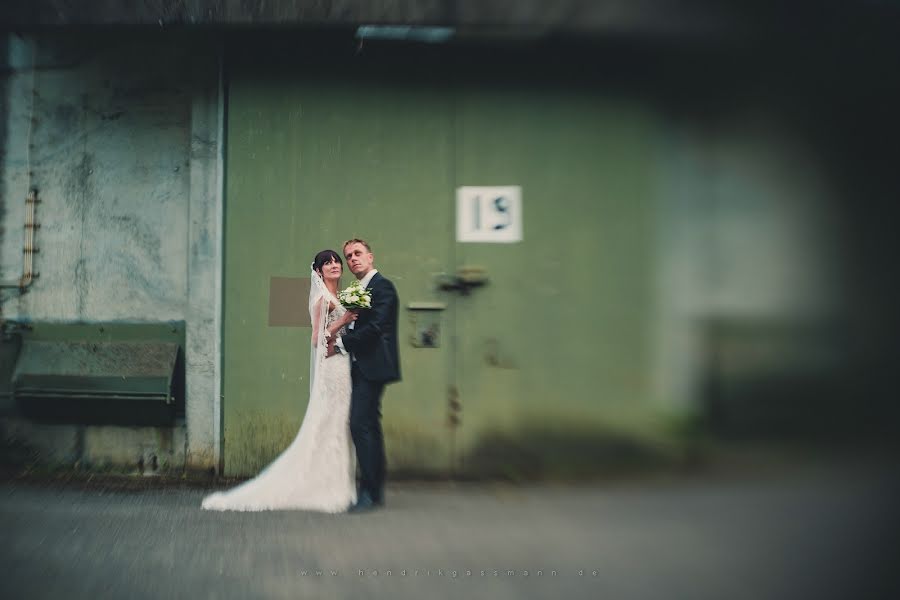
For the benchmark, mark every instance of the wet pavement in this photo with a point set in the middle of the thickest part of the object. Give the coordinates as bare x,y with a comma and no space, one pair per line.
812,531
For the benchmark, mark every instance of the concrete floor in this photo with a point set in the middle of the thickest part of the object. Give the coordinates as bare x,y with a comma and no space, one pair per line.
813,531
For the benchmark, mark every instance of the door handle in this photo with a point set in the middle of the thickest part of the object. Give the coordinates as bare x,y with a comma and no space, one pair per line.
464,280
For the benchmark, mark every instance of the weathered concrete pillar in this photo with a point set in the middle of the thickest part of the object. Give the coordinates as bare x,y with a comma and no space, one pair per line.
204,269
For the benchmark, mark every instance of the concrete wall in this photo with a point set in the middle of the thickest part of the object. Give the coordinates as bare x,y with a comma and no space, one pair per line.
749,233
773,238
120,136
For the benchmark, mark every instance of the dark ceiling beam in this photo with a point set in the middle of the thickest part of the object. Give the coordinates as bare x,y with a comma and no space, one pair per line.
563,16
527,19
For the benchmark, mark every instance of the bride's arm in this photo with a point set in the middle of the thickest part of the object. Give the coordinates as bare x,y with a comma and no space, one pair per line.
347,317
316,322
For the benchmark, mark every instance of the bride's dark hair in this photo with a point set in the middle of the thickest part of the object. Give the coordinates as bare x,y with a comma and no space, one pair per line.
326,256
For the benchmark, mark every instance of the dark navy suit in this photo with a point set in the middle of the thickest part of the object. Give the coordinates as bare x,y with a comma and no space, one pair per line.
376,362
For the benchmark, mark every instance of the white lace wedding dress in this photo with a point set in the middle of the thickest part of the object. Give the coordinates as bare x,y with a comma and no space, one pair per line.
317,471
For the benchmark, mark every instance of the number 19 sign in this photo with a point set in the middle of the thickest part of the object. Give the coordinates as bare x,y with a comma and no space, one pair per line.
489,214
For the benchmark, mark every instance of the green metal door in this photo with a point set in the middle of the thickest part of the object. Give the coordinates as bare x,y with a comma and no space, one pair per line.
311,164
555,368
548,366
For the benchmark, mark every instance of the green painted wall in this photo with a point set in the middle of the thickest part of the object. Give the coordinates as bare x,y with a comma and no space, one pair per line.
551,360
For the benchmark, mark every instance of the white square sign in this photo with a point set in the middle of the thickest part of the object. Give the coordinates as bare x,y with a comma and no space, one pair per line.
489,214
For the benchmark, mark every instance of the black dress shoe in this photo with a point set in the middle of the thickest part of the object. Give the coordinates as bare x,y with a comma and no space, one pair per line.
364,504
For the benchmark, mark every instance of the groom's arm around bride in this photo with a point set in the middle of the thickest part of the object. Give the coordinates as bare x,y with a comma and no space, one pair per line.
373,340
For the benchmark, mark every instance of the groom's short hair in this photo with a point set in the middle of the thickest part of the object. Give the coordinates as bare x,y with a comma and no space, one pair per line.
357,241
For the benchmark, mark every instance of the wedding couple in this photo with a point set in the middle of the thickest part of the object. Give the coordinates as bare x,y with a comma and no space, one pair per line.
353,356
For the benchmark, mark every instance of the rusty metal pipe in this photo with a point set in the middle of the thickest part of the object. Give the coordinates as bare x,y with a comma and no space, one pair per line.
28,274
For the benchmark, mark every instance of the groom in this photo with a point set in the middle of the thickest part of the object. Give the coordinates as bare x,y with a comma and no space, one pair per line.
372,343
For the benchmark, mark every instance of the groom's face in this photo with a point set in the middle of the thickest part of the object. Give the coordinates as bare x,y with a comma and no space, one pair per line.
359,259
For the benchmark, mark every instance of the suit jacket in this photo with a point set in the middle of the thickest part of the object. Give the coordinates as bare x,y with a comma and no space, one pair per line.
373,339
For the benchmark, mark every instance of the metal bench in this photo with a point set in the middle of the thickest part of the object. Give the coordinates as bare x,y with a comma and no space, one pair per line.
100,374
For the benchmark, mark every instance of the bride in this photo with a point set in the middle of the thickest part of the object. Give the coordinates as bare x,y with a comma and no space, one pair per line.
317,471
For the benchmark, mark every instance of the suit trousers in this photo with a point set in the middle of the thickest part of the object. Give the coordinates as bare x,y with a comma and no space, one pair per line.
365,428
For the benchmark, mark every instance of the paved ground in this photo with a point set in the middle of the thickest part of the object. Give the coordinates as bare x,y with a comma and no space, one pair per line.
816,531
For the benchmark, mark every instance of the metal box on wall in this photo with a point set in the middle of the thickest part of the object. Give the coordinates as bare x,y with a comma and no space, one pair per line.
425,320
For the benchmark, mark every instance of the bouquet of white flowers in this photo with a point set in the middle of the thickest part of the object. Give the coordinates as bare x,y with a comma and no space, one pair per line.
355,297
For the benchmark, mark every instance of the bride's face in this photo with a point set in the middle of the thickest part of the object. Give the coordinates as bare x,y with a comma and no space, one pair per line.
331,270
